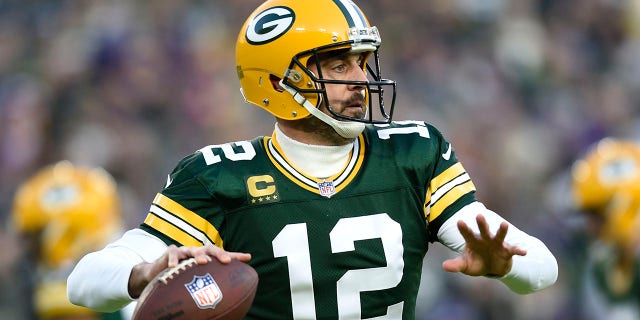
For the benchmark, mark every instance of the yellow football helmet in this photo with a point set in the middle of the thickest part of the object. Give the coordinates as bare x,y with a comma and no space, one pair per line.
606,182
281,37
72,210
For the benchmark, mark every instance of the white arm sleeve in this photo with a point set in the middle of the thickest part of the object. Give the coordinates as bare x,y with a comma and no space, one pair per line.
537,270
100,279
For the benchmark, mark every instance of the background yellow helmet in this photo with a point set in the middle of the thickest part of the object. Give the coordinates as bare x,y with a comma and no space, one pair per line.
281,36
71,210
606,183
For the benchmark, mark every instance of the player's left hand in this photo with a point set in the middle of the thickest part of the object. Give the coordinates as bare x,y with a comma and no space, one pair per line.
484,254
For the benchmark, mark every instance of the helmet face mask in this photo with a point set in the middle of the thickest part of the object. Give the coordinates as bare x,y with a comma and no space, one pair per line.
374,86
280,40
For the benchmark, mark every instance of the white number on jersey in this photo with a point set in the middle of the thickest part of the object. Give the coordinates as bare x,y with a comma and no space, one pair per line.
248,152
292,242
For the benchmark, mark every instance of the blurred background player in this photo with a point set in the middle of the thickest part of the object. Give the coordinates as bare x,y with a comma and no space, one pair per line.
60,213
606,189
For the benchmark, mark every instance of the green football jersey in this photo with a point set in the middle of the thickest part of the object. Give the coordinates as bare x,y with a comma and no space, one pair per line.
616,286
349,246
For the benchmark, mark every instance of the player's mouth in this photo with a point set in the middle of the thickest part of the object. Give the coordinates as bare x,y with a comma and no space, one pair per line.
354,104
354,108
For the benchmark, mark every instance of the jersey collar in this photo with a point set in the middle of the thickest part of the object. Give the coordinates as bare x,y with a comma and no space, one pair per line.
313,184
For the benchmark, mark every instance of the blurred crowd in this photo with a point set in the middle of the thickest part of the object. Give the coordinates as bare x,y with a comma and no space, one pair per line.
521,89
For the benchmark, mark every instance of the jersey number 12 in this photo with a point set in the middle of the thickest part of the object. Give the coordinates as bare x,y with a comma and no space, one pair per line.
292,242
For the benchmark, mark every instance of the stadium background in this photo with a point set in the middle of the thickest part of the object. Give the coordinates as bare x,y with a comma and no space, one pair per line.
521,88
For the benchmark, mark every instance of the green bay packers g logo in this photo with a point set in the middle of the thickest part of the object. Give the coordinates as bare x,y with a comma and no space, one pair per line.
262,189
270,25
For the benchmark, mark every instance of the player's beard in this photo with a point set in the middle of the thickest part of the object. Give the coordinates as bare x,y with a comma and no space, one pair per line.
348,107
322,129
353,107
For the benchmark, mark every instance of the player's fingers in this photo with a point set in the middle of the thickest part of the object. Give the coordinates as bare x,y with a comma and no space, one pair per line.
226,256
244,257
501,234
200,254
516,251
454,265
483,226
466,232
173,256
210,252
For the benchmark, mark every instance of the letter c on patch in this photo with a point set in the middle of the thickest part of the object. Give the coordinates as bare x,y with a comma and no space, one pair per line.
260,186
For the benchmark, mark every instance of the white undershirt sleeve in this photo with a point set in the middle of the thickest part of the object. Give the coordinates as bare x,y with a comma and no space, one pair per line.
537,270
100,279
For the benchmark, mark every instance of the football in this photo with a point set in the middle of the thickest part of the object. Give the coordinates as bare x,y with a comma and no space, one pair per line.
199,292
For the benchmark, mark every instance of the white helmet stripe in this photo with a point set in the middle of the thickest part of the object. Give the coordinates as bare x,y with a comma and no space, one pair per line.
352,13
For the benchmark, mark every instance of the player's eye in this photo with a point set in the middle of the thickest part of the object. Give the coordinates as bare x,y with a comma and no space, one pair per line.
340,68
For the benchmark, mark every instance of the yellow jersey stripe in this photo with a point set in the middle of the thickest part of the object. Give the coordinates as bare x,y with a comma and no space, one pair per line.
446,176
427,200
276,146
196,221
284,171
171,231
356,167
449,198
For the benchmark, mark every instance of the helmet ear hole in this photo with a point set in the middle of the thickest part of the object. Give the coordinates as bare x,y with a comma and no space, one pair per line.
275,82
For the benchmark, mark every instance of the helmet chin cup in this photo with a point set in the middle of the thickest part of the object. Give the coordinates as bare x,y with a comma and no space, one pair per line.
346,129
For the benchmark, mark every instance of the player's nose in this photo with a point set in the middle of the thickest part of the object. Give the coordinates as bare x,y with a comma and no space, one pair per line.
358,74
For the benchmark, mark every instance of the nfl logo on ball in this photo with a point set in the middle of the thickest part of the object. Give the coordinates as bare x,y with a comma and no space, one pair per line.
204,291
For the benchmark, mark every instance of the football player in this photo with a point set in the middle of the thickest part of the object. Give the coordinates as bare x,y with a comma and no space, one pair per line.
336,209
606,190
61,213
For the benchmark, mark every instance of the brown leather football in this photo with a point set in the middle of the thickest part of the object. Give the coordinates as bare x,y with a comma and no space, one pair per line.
199,292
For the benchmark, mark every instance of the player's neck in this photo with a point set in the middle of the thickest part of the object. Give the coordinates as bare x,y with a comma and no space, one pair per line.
319,161
312,131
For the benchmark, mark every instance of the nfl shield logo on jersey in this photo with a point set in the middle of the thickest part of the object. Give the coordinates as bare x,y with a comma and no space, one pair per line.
326,188
204,291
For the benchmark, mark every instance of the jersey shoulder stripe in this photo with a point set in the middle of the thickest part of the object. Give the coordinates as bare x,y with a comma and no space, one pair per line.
186,211
422,148
447,188
180,223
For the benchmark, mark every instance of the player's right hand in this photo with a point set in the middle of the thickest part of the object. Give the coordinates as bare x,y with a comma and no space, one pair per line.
144,272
